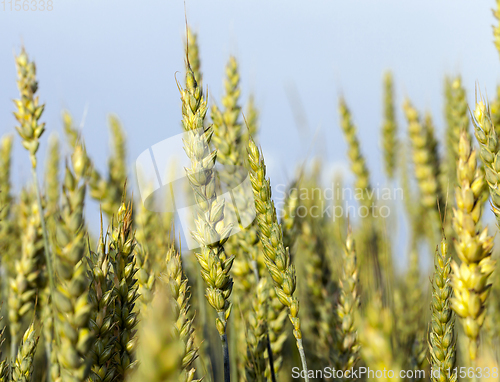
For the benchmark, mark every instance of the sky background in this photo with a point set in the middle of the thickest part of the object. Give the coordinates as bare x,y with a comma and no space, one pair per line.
122,57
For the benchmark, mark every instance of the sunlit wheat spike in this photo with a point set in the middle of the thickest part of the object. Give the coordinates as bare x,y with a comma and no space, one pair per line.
276,257
473,244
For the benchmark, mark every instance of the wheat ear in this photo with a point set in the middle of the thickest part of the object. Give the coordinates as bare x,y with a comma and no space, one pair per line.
73,306
424,160
276,257
442,328
348,346
457,118
28,269
496,28
4,366
358,162
183,322
257,335
28,114
122,256
160,350
107,191
22,369
389,128
102,296
473,245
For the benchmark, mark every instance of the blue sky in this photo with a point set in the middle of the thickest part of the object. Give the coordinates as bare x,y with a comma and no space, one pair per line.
122,57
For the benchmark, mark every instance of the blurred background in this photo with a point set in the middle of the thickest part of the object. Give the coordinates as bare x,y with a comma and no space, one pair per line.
296,58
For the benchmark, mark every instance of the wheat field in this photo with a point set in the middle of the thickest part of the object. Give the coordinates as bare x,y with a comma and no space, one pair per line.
258,289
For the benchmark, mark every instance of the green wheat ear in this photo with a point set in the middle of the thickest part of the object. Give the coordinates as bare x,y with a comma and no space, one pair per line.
176,279
22,369
28,276
276,256
348,347
256,337
160,350
102,296
72,298
389,127
4,366
441,330
122,256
